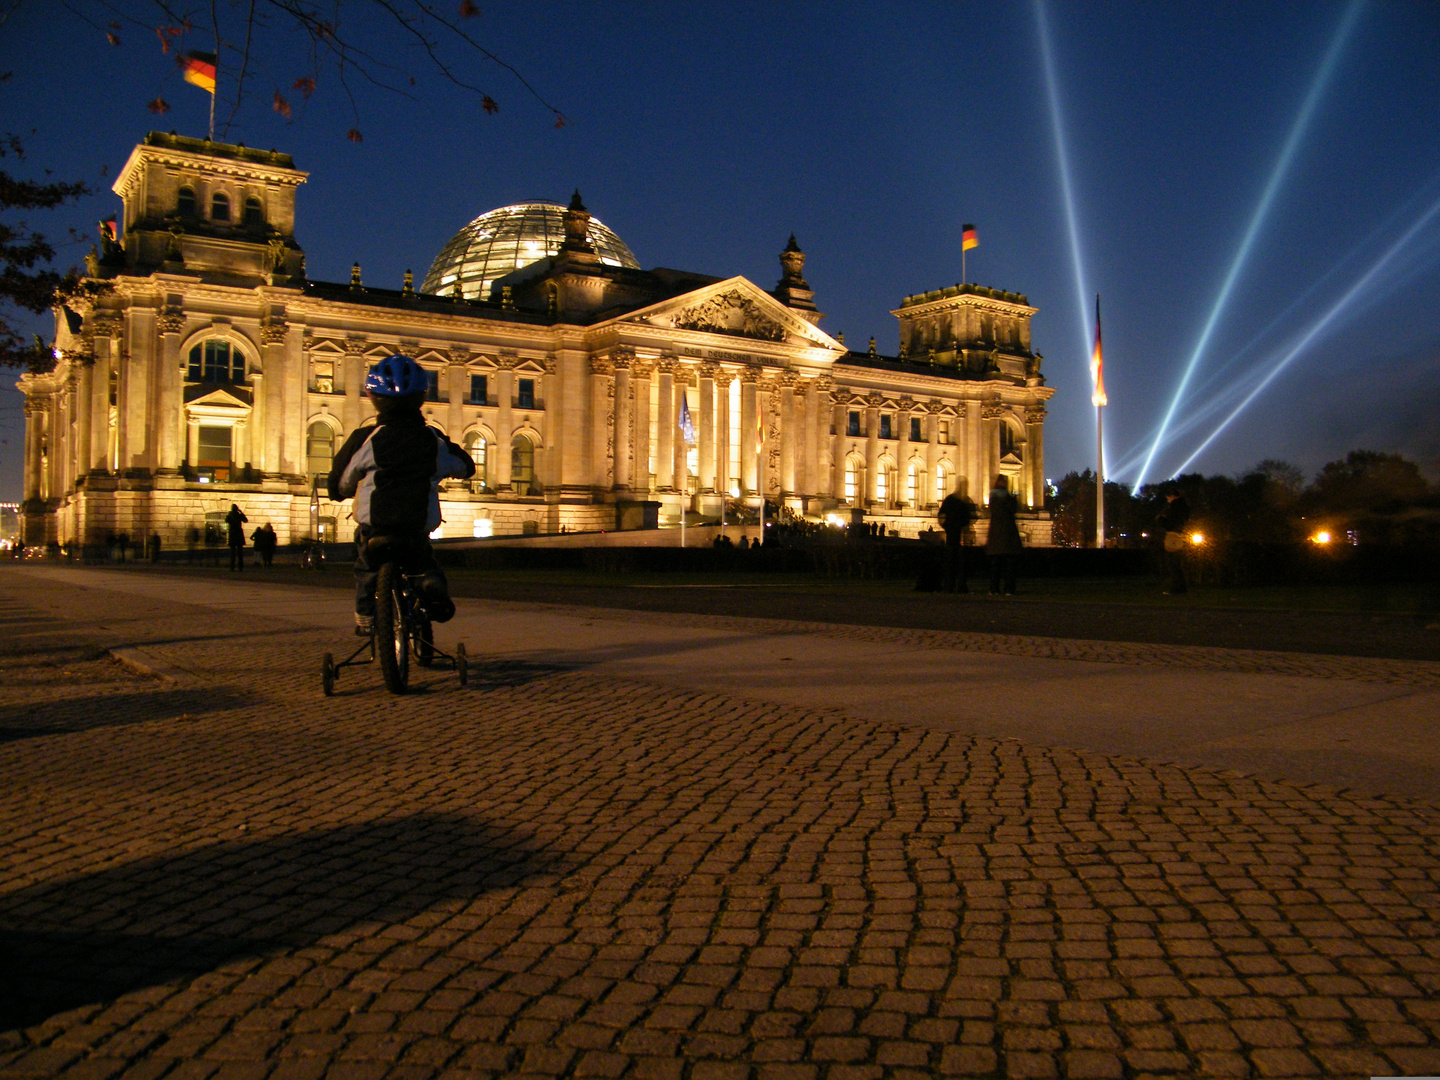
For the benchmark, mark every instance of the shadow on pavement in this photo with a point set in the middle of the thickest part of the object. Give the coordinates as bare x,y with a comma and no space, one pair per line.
499,674
69,715
80,941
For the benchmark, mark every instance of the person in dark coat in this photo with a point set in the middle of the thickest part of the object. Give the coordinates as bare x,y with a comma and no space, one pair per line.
267,553
1002,545
957,514
235,536
1172,521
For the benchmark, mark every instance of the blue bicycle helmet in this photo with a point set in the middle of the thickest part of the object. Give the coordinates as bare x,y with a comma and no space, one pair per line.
397,376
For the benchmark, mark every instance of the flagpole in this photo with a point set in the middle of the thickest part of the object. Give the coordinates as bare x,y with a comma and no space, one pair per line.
212,117
1099,438
1099,477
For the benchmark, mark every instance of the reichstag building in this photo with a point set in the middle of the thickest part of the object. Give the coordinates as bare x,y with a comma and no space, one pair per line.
214,371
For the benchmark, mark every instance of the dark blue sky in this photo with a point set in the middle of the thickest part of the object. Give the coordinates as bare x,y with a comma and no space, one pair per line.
705,134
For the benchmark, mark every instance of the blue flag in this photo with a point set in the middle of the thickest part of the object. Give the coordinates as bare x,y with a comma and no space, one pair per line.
687,426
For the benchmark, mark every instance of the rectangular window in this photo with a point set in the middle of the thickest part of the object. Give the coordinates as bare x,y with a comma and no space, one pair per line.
432,385
885,426
322,377
915,435
479,392
853,426
945,432
525,393
212,457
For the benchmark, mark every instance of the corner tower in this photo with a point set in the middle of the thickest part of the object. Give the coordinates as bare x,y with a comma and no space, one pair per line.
209,208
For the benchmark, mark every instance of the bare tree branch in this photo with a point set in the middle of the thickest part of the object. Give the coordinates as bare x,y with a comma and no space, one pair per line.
328,42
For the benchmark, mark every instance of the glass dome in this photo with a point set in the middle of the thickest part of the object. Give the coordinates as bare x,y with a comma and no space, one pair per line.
504,240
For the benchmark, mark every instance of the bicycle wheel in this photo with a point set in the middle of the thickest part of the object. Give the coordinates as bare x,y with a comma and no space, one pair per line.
392,630
327,674
423,635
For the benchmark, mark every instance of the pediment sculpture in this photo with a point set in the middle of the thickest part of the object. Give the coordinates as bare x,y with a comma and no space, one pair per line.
730,313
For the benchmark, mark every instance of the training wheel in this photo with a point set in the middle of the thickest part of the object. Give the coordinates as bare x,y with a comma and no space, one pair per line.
462,667
327,674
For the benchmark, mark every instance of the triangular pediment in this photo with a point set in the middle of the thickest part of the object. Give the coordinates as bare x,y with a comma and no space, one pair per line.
736,308
223,397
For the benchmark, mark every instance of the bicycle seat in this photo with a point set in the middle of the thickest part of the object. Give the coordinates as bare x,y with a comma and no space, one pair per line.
388,547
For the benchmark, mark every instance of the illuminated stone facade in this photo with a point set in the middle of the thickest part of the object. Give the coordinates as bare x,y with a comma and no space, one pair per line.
214,372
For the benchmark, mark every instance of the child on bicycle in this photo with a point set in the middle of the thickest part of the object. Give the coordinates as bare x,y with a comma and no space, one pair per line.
393,468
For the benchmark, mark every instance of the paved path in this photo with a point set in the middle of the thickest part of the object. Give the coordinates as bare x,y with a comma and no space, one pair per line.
672,846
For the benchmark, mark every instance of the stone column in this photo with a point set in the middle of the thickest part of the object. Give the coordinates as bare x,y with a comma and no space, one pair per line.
623,429
989,442
932,453
807,477
169,394
551,454
456,375
640,385
192,440
136,408
505,421
749,406
788,425
68,405
1035,455
100,405
682,448
968,421
293,379
34,456
602,422
723,478
84,369
839,407
268,421
872,445
665,479
352,374
902,457
240,454
705,428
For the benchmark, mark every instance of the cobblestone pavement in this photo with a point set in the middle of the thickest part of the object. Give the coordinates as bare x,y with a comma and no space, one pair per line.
557,872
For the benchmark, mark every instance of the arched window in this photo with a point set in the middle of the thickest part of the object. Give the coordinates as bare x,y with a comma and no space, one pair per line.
475,445
852,479
1008,444
185,202
216,361
319,448
882,476
942,481
220,207
254,213
912,484
522,464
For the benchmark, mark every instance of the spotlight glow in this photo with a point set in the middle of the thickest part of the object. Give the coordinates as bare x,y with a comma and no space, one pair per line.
1262,209
1320,324
1062,159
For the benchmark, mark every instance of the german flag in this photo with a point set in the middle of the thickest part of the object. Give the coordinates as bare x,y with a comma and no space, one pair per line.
1097,368
969,238
199,69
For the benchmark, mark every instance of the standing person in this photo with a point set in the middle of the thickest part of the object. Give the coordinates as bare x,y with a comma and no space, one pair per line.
1172,522
235,536
1002,545
957,514
393,467
271,543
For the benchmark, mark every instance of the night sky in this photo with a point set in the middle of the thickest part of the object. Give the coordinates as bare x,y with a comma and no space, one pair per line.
704,134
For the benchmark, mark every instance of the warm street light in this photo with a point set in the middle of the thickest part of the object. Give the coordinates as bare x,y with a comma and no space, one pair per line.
1321,537
1197,538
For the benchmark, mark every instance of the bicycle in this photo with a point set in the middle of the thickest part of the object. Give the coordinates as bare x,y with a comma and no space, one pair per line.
403,626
